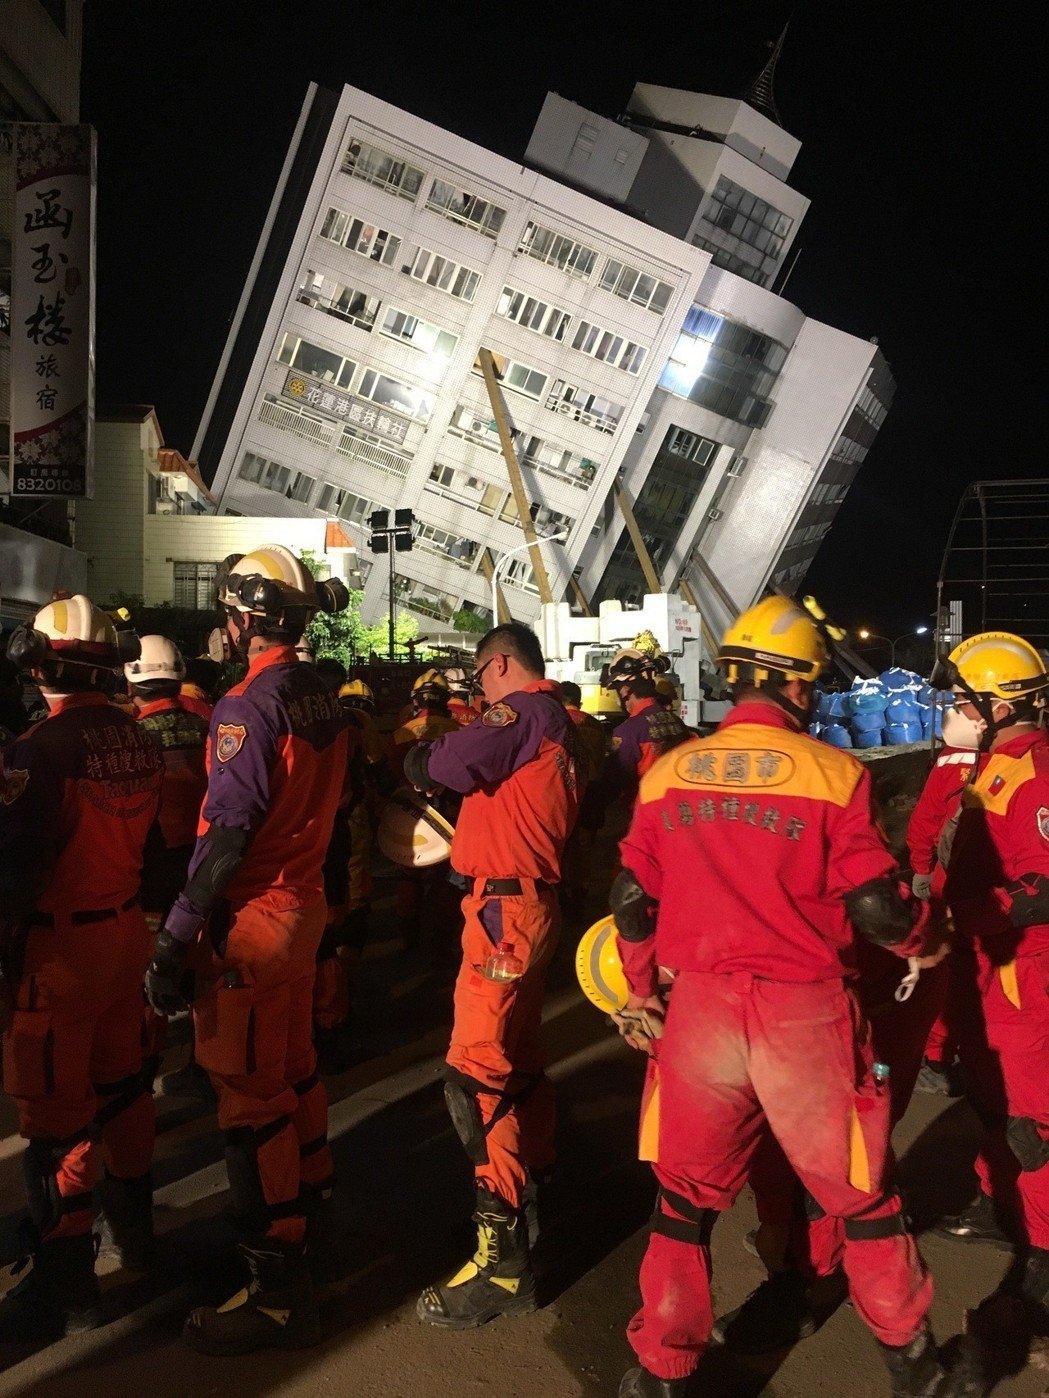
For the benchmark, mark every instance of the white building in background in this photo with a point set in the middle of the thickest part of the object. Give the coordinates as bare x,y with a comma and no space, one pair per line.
624,273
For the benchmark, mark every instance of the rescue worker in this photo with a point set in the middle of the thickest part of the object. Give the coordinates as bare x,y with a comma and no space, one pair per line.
200,686
516,772
358,704
666,694
648,731
424,902
154,681
78,794
460,698
769,833
929,834
998,891
277,764
592,750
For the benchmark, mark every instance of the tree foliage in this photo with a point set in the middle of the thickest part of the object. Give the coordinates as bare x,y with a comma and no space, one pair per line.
345,636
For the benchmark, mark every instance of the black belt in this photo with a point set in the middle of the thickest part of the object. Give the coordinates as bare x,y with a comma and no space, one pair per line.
510,888
87,915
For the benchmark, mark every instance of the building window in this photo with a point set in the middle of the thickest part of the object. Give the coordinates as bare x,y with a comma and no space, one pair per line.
634,285
378,167
735,210
446,545
293,485
532,313
444,274
194,585
468,209
555,460
319,363
608,347
338,300
725,367
521,378
729,262
438,345
579,403
690,445
558,250
391,393
365,239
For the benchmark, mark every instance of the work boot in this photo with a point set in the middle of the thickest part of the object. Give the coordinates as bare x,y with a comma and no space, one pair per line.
498,1279
639,1383
60,1296
982,1221
276,1310
775,1316
127,1221
190,1081
915,1369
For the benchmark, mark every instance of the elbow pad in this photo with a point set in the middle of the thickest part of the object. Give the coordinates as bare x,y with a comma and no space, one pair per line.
226,848
878,912
416,769
1029,900
632,909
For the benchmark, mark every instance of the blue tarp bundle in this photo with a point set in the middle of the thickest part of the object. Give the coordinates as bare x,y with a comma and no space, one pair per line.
897,706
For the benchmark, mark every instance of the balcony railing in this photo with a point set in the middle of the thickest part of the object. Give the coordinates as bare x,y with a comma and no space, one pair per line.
297,423
397,463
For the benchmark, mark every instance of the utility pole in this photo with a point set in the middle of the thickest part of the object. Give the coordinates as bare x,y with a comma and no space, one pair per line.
391,539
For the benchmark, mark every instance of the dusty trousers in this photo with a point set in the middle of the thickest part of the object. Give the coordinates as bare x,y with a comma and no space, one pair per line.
739,1052
73,1062
496,1054
253,1018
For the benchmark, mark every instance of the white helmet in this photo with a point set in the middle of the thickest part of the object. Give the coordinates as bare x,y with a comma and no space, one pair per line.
457,682
160,659
71,630
411,833
305,651
265,581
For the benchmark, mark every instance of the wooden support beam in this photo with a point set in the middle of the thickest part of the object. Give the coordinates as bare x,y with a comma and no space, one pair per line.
626,508
488,568
580,596
513,468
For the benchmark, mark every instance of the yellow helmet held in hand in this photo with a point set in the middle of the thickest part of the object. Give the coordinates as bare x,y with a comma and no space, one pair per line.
999,663
774,636
599,969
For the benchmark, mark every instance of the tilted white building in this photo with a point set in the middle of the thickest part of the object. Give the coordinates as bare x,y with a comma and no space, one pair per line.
623,273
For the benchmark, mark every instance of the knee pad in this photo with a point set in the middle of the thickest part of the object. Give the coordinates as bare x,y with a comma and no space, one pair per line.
465,1113
1027,1143
41,1163
694,1227
252,1214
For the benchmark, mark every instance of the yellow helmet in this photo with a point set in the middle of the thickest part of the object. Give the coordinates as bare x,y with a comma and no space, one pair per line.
430,679
356,689
999,663
773,635
599,969
666,688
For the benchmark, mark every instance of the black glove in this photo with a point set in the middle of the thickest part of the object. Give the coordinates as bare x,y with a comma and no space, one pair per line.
164,977
415,767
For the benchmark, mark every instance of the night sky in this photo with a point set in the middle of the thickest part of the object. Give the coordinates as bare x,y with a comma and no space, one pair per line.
918,154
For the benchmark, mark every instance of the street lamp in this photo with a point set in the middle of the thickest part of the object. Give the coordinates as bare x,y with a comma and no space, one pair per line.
866,635
542,539
391,539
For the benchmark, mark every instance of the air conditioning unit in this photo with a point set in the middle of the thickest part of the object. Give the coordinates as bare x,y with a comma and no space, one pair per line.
715,514
736,469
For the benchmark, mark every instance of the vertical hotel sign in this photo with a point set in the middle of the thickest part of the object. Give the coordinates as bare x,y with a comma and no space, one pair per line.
53,311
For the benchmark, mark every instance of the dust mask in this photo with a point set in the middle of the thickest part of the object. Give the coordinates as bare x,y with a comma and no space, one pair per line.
962,732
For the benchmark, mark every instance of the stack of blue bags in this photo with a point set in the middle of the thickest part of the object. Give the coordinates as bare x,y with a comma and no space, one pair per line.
895,707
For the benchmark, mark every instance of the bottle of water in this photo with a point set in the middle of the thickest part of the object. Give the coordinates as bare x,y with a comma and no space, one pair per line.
503,965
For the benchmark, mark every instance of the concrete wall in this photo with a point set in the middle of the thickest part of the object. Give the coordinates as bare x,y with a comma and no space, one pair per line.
171,539
608,167
109,528
32,570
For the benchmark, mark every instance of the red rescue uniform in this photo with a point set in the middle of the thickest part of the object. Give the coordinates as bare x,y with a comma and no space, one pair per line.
637,743
277,764
516,771
182,736
765,831
78,795
196,701
998,891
